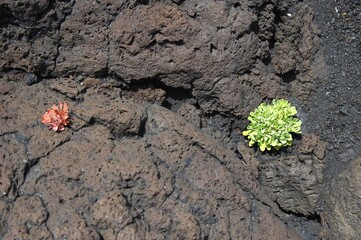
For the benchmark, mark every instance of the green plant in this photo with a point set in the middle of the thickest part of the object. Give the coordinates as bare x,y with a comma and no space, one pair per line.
271,125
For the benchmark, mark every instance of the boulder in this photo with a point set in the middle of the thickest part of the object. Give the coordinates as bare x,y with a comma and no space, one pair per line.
296,181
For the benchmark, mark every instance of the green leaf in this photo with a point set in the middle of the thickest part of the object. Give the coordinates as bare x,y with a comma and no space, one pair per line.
262,147
271,125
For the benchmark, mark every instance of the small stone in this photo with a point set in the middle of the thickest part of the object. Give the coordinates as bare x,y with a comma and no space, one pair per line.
31,79
344,111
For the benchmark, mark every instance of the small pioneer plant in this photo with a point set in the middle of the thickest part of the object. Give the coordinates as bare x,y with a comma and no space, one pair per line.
272,125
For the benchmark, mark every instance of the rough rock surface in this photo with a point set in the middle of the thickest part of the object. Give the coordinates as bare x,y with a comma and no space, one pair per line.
295,50
296,180
209,48
106,179
159,92
340,217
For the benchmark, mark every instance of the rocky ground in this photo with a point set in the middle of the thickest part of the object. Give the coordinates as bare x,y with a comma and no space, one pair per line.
335,111
159,93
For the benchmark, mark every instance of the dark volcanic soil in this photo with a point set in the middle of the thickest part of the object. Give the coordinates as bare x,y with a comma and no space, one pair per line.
159,93
335,107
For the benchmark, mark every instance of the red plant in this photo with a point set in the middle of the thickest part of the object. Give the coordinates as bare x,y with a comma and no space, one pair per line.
56,118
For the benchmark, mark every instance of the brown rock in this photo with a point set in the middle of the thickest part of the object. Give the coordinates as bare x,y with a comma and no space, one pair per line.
296,53
120,116
13,159
24,114
67,86
31,24
185,225
252,89
263,227
23,232
340,217
75,228
129,232
16,52
295,181
158,220
84,40
43,54
28,210
27,218
43,141
124,170
111,211
227,208
187,44
173,179
312,144
190,113
57,176
145,94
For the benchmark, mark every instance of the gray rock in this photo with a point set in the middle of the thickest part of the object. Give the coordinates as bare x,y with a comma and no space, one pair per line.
31,79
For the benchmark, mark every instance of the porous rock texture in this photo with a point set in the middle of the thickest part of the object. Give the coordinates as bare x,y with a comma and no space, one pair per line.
142,174
149,153
220,51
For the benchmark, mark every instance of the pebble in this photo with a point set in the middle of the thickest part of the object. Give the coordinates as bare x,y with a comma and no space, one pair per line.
31,79
344,111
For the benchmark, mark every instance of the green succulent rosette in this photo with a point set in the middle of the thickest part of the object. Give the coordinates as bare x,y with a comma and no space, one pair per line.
271,126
